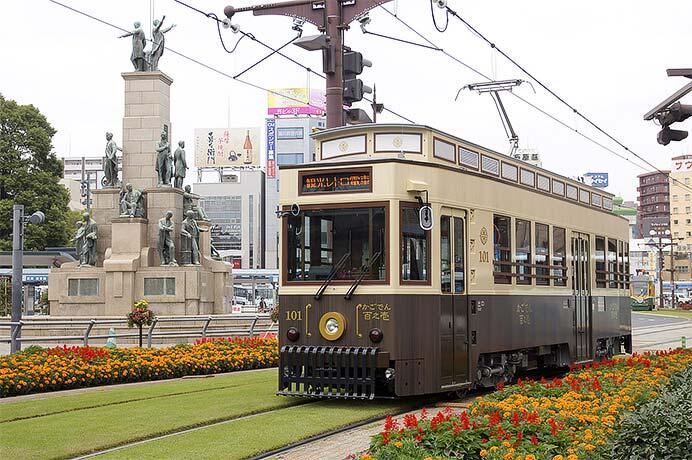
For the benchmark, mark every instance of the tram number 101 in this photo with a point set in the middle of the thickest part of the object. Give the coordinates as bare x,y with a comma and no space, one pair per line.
293,315
483,257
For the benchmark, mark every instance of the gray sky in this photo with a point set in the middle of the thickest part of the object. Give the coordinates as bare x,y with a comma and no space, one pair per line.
607,58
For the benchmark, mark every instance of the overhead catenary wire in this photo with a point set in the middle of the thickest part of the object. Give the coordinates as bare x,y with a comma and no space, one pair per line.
537,108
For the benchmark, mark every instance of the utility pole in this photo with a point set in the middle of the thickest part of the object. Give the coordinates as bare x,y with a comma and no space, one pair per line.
660,245
331,17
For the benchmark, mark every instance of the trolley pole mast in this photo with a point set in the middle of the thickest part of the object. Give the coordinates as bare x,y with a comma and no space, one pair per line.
331,17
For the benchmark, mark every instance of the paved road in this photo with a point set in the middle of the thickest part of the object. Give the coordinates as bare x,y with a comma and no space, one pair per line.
655,332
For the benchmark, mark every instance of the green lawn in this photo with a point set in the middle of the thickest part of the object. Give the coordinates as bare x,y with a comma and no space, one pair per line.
63,426
251,436
678,313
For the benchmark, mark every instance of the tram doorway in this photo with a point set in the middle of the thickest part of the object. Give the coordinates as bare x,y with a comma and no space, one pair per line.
454,352
581,288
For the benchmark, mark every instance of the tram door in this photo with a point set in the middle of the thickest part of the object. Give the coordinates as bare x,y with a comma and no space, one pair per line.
454,304
581,287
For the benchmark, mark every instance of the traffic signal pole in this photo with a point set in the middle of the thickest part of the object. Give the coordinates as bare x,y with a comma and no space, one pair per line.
335,80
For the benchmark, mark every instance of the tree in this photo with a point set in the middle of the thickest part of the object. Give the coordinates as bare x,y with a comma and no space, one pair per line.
29,175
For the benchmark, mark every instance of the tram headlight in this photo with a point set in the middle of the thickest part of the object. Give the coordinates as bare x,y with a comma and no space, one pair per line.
332,325
376,335
292,334
389,373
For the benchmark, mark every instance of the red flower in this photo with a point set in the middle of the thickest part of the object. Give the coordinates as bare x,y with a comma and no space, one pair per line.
424,414
495,418
410,421
419,438
389,423
534,440
385,437
515,419
500,385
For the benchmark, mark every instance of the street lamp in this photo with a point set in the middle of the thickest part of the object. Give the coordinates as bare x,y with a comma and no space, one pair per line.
19,221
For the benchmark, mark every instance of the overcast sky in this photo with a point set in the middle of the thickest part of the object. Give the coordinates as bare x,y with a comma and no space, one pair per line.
607,58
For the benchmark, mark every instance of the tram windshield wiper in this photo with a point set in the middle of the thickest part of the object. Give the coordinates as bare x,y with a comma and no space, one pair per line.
332,274
364,271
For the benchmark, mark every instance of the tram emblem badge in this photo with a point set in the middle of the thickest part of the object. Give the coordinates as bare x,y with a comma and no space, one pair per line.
484,235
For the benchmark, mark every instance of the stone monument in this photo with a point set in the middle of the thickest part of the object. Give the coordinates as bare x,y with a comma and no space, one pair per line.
127,252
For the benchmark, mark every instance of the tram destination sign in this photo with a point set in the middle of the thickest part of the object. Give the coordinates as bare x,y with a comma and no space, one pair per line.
339,181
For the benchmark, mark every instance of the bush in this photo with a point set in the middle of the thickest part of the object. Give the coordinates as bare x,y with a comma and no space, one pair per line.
661,428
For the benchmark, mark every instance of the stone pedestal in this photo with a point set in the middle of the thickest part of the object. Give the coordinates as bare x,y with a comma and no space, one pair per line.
105,207
147,113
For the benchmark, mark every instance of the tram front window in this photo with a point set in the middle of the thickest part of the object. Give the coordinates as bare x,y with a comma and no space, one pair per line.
346,240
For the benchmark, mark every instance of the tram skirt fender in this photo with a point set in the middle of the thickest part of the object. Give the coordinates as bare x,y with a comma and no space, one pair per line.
409,377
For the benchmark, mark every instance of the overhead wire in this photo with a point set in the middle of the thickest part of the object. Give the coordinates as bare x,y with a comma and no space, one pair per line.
532,105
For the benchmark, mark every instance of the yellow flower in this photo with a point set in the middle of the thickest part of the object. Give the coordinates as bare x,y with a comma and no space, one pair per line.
506,443
508,456
557,457
398,444
572,457
493,448
484,453
530,457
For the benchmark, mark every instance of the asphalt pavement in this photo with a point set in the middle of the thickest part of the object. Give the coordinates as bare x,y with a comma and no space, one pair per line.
657,332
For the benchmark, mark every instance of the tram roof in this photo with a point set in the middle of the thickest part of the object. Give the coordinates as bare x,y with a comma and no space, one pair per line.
326,138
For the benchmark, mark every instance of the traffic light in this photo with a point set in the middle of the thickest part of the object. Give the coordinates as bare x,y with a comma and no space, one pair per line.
354,88
675,113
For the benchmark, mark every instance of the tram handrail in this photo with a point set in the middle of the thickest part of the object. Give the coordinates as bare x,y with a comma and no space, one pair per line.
204,331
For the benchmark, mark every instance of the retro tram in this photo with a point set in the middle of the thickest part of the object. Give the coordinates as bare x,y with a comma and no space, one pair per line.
415,262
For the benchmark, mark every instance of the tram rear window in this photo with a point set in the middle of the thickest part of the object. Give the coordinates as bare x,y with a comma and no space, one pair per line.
348,241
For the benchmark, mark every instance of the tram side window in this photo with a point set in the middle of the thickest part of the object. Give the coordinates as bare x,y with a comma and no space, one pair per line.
600,262
415,244
612,264
502,254
542,245
621,266
559,257
627,265
458,256
523,251
445,255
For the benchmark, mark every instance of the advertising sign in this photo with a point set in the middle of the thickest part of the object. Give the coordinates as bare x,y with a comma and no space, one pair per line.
227,147
596,179
296,101
271,148
681,165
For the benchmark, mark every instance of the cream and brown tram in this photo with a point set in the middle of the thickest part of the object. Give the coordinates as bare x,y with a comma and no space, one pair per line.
415,262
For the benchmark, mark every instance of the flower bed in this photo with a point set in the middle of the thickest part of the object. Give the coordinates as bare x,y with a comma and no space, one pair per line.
571,418
37,369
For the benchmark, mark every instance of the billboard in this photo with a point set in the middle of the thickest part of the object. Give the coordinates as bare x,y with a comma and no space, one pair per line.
296,101
227,147
596,179
271,148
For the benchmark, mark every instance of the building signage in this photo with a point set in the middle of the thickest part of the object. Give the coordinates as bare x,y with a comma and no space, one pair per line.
681,165
596,179
336,182
271,148
296,101
227,147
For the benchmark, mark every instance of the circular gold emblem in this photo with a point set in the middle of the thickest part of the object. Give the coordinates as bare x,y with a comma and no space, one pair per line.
397,142
343,146
332,325
484,235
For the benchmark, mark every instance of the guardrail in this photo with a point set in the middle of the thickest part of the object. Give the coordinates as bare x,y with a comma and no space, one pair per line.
151,333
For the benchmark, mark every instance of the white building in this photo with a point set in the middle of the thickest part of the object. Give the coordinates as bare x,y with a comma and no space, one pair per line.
79,168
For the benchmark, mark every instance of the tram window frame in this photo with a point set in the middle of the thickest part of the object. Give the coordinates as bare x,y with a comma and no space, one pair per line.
559,275
524,271
601,267
502,255
611,264
627,264
374,205
407,205
446,254
621,266
542,268
459,255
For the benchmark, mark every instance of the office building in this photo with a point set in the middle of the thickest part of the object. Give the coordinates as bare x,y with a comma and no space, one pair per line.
236,207
288,142
81,168
654,209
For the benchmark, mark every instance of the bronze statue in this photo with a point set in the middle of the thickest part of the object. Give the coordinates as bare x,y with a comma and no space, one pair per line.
138,41
189,240
110,162
79,239
189,204
166,245
88,255
180,164
158,43
131,204
163,160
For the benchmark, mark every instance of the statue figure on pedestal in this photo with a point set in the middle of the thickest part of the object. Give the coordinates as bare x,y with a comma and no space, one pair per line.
180,164
163,160
131,204
79,239
110,162
158,40
166,245
138,41
189,204
189,240
88,254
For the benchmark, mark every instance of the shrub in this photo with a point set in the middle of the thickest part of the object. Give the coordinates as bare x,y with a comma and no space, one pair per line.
661,428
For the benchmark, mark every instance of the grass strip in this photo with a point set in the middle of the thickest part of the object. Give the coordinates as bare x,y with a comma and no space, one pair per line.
262,433
69,434
55,403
